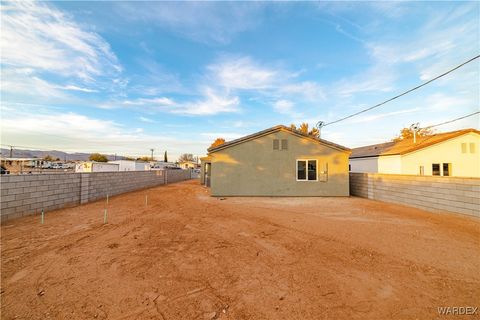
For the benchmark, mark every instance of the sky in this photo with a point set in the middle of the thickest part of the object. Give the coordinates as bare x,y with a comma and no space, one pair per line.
124,77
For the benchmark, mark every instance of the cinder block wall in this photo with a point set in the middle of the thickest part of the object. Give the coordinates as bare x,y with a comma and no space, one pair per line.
28,194
435,194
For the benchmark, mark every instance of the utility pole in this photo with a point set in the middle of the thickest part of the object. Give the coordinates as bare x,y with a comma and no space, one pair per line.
320,125
152,153
414,127
115,157
11,151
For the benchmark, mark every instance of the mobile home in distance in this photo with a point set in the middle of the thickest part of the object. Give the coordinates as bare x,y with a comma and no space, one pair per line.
131,165
92,166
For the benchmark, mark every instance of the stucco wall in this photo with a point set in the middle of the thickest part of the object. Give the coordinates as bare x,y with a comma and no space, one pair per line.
390,164
364,165
436,194
29,194
253,168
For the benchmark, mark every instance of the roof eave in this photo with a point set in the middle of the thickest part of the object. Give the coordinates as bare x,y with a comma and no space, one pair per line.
275,129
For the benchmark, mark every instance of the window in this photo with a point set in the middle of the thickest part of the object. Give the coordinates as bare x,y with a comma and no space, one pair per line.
435,169
464,148
472,147
349,167
275,144
284,144
447,169
306,170
422,170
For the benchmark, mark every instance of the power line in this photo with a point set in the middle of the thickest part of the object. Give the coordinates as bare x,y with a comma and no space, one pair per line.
403,93
450,121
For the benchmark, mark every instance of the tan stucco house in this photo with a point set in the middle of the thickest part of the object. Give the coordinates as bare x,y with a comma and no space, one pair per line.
453,153
277,161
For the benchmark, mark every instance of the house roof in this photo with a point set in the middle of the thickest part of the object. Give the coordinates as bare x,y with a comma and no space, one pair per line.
406,145
272,130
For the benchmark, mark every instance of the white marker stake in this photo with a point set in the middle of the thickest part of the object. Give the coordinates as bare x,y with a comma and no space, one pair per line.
42,216
105,216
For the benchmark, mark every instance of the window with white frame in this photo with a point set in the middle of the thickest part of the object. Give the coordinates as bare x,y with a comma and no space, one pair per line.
307,170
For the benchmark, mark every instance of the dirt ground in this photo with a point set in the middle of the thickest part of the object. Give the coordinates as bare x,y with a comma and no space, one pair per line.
186,255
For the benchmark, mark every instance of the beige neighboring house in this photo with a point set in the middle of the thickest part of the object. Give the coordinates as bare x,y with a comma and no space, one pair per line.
277,162
453,153
188,164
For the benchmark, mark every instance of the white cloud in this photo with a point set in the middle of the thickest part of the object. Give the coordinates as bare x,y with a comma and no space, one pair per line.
42,39
76,88
209,103
378,116
243,73
283,106
377,78
443,102
72,132
312,91
212,103
145,119
155,102
226,135
202,21
272,82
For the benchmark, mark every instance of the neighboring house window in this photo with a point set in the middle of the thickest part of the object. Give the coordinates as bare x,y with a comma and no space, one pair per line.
275,144
472,147
464,148
436,169
284,144
422,170
306,170
447,169
349,167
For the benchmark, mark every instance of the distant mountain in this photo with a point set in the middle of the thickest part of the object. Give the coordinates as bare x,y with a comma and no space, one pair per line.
20,153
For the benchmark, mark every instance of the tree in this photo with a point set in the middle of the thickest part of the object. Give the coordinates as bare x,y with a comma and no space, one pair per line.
98,157
407,133
48,158
145,158
303,129
165,157
186,157
217,142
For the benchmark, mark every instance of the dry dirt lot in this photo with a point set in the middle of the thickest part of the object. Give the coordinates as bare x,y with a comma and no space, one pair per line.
186,255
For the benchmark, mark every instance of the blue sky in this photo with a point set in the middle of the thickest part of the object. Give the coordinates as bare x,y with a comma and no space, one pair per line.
124,77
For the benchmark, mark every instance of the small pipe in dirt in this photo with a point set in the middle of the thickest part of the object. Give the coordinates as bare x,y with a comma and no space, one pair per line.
43,214
107,199
105,216
146,199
